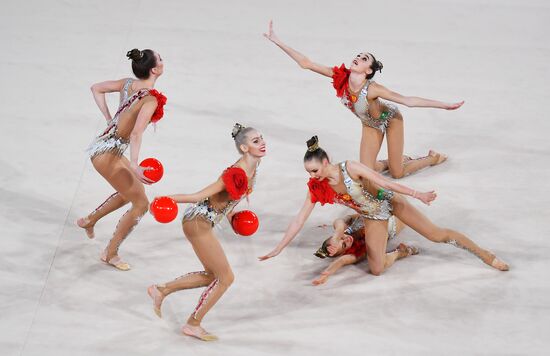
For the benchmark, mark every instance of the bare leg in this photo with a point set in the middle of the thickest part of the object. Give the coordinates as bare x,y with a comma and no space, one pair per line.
376,237
210,253
421,224
383,165
400,252
400,225
188,281
399,167
371,140
112,203
123,180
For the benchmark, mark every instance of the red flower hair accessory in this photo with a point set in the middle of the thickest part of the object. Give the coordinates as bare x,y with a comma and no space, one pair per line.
321,191
340,79
236,182
161,100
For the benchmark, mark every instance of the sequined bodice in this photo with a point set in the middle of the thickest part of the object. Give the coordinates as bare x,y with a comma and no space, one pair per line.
359,199
359,105
126,101
110,140
215,216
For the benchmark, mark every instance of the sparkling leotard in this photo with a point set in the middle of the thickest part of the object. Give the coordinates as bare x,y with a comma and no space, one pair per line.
359,104
357,224
109,140
356,229
361,109
363,202
205,209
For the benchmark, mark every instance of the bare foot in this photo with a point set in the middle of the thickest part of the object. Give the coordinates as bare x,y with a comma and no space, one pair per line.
500,265
408,250
198,332
87,226
381,165
115,261
439,157
407,158
157,297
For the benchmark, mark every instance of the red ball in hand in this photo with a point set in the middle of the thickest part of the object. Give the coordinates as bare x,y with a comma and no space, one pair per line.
164,209
155,171
245,223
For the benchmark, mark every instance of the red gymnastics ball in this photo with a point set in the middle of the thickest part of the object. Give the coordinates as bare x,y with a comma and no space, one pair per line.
155,170
245,223
164,209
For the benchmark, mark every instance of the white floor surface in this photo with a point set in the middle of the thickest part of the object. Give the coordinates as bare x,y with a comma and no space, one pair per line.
57,299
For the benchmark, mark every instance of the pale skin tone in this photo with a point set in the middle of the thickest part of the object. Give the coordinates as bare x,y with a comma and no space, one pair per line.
339,242
325,170
200,234
371,138
125,176
376,230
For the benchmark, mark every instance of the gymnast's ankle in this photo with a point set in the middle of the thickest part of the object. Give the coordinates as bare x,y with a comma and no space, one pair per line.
193,322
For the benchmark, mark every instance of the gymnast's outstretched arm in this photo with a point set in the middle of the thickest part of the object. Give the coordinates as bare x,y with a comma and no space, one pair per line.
293,228
360,170
303,61
210,190
379,91
334,267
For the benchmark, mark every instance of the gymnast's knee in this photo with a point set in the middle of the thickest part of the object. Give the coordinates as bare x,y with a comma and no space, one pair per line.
376,270
141,206
227,278
210,276
397,173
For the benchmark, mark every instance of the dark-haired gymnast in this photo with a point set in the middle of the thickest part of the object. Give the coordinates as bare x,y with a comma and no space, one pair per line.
347,245
140,104
357,91
372,196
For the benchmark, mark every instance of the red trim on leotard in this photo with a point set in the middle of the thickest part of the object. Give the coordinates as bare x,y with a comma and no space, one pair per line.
161,101
236,182
321,191
340,79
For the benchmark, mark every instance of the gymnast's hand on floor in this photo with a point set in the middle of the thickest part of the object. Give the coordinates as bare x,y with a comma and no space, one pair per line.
269,255
321,279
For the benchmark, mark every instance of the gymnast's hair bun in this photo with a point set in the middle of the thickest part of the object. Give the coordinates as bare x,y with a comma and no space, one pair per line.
134,54
237,128
313,144
376,66
314,151
379,66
